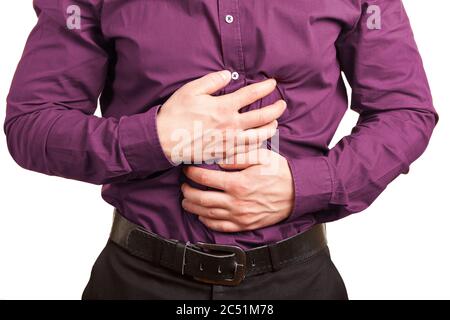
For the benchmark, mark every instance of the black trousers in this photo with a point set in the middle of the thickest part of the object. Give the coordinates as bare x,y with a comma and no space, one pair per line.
117,274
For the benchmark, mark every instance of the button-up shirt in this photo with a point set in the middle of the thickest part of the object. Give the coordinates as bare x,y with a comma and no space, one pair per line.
134,54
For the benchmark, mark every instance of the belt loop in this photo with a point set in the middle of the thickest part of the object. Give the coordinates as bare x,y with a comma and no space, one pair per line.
274,257
180,256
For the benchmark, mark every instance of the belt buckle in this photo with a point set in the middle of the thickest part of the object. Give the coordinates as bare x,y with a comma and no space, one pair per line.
239,271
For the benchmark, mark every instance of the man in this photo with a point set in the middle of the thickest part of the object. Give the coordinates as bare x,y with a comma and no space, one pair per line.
191,221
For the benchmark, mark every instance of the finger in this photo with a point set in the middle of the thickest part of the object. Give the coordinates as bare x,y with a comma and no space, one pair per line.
221,225
209,83
245,141
244,149
260,117
206,198
213,213
211,178
240,160
257,135
245,160
235,166
231,155
248,94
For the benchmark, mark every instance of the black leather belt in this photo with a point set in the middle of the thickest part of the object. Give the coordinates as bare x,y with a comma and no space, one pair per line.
215,263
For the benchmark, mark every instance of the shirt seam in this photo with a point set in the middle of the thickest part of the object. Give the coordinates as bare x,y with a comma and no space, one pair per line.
354,26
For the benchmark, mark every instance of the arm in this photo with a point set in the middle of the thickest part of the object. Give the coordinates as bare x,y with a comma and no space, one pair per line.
396,119
50,126
392,97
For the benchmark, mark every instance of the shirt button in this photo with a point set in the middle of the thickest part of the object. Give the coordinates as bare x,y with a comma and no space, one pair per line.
229,18
234,75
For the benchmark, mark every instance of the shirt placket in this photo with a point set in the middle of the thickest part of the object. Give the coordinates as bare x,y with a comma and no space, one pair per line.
231,39
233,58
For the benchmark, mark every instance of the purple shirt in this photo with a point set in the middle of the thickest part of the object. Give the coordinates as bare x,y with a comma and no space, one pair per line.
135,54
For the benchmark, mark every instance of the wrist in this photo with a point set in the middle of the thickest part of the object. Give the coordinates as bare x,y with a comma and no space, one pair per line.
162,134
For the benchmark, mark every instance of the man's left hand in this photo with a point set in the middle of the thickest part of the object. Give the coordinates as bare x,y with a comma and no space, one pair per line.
261,194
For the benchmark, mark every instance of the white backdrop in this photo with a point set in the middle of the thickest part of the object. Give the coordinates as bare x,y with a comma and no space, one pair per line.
52,229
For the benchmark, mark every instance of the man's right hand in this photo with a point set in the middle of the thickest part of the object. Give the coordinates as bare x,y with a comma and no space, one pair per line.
193,106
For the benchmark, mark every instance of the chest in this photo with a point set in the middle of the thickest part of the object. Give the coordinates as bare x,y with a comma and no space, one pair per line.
188,38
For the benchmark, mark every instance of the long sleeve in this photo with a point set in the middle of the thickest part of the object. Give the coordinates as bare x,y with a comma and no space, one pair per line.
50,123
396,117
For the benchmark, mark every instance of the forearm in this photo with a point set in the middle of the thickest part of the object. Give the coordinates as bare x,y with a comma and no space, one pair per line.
391,94
70,144
354,173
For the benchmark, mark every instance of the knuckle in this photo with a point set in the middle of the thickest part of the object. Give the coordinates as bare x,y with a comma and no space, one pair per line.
246,221
215,79
246,213
253,93
237,203
203,178
228,183
242,187
261,116
211,213
234,120
233,186
203,201
183,95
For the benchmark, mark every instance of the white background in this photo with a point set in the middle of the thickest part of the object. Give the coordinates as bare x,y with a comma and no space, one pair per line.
52,229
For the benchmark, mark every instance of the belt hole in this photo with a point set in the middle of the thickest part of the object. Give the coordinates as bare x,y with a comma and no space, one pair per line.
253,262
201,267
219,269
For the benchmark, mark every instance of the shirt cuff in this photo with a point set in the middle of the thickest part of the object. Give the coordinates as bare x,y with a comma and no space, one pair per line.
140,142
312,183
